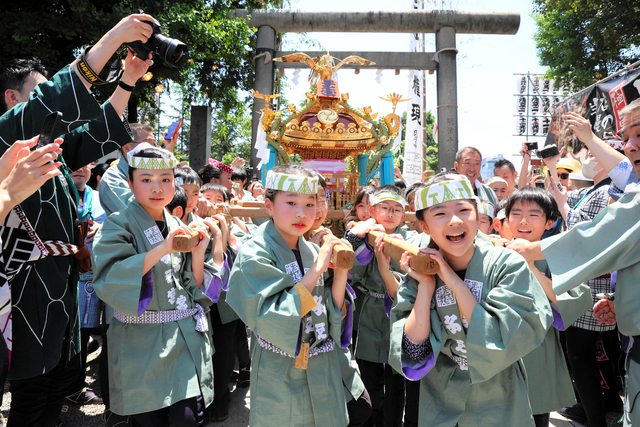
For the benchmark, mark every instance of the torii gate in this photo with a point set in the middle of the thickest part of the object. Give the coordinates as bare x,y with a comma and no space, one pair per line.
444,23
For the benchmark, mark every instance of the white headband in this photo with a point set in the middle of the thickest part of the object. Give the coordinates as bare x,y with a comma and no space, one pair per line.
291,183
445,191
386,197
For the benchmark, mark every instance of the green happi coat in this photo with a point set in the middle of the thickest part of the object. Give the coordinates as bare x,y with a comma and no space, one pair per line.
44,295
261,292
373,322
549,383
474,377
608,243
115,194
151,366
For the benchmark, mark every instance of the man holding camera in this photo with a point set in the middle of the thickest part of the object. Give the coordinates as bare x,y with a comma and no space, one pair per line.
44,306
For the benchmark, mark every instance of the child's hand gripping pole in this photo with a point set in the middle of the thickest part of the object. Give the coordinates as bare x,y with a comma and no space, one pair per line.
342,256
422,263
185,242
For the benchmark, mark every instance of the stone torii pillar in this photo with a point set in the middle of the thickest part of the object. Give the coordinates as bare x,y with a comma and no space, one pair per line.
444,23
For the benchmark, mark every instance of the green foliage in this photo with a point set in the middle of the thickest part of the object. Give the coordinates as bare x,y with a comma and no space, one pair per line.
220,59
582,41
431,151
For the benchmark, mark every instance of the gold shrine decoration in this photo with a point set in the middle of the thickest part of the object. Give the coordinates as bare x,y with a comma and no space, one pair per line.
322,66
394,98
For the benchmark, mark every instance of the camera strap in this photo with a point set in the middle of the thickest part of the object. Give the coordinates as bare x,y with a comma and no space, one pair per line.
115,72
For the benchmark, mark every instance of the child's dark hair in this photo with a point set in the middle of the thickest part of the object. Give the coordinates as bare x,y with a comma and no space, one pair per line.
212,186
413,188
179,199
239,174
441,177
539,196
96,172
289,170
209,172
150,153
188,175
321,181
366,190
400,184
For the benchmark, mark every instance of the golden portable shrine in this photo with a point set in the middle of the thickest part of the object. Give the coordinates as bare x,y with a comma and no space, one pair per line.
347,145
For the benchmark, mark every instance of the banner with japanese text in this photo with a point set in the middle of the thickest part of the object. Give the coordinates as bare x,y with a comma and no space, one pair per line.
412,166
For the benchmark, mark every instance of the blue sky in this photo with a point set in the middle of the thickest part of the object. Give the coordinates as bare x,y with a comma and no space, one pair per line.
486,67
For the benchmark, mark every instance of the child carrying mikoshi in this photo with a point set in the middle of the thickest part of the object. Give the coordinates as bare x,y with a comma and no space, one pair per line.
277,289
486,213
159,349
531,211
462,333
380,277
190,182
358,401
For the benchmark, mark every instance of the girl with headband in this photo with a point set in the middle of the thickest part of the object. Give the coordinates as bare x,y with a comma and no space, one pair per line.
159,345
277,289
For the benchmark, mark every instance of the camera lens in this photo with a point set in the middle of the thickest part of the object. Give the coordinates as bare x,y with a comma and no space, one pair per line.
170,50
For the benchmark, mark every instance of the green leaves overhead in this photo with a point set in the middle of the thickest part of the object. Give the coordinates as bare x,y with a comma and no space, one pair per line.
582,41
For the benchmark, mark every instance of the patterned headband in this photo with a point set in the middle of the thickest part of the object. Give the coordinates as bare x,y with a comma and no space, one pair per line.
291,183
138,162
386,197
485,208
495,179
180,181
445,191
221,166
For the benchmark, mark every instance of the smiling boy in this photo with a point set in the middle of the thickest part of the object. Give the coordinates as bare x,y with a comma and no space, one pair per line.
532,211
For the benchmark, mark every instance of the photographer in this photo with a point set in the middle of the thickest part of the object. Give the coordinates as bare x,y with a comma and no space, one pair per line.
44,304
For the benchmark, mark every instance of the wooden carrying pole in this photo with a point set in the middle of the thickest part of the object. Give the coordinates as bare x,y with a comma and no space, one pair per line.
422,263
185,242
255,209
342,256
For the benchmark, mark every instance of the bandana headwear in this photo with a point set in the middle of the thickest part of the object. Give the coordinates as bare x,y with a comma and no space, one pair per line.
485,208
445,191
150,162
291,183
495,179
386,197
616,144
502,214
180,181
221,166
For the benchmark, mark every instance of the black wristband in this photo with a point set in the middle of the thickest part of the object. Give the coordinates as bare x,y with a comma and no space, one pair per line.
356,241
125,86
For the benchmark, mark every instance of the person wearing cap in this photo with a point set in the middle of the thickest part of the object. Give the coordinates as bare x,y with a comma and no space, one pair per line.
159,347
462,333
566,166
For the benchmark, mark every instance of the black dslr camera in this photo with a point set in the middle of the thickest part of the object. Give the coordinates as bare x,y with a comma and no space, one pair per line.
170,50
